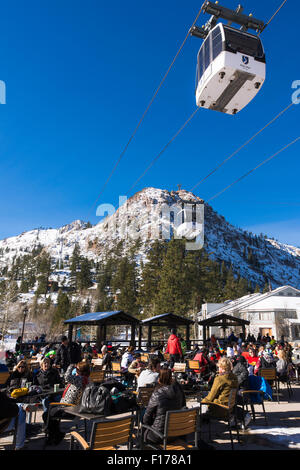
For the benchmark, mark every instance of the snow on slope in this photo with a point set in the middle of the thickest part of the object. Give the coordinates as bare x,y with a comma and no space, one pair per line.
275,261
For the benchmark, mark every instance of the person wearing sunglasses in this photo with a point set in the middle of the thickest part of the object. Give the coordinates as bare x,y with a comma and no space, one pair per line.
19,376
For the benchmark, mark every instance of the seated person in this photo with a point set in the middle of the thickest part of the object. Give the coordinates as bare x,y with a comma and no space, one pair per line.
137,365
127,358
9,408
201,356
72,394
168,395
47,377
106,360
20,375
150,375
224,382
222,386
282,365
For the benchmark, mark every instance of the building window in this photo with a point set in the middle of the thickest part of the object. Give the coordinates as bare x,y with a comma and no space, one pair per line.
265,316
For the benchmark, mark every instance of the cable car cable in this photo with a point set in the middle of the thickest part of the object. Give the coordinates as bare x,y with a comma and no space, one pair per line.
253,169
147,109
255,135
273,16
242,146
164,149
232,155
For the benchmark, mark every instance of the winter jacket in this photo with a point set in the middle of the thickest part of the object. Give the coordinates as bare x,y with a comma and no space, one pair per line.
147,377
127,358
281,368
47,378
18,380
75,386
242,374
63,357
164,398
173,346
220,392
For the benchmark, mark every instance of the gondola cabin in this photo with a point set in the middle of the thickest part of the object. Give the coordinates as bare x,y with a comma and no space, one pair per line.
231,69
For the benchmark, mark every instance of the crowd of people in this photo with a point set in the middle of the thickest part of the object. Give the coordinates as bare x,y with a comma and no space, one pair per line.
222,367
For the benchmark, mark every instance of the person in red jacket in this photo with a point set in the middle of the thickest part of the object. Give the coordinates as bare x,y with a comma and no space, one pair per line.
174,348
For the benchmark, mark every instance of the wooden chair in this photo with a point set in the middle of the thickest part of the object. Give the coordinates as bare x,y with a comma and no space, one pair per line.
193,365
271,377
97,376
229,413
178,424
179,367
145,358
3,377
116,369
144,395
51,405
106,435
97,364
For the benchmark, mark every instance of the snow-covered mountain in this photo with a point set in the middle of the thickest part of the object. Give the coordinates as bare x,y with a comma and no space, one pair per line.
145,216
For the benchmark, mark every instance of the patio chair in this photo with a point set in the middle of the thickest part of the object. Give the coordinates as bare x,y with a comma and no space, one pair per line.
3,378
270,376
178,424
229,415
97,376
106,435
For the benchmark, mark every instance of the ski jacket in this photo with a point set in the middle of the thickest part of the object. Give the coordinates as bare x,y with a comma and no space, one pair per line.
173,346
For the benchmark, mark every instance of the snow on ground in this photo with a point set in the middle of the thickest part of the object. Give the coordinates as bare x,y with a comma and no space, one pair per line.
289,437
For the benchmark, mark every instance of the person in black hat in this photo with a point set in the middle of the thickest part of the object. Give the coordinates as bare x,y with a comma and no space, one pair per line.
63,355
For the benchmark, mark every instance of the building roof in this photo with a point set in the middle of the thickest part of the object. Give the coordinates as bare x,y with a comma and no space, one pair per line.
167,319
117,317
249,300
224,321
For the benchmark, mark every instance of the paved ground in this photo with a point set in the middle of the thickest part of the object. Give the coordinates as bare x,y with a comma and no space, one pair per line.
281,433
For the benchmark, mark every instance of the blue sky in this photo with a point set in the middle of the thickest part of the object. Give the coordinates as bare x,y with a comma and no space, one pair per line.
79,75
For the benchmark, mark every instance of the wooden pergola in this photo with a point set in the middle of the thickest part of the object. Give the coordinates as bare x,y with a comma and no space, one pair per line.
165,321
102,320
224,321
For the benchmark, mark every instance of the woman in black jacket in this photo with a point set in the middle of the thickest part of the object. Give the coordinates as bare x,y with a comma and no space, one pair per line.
240,370
20,375
47,377
168,395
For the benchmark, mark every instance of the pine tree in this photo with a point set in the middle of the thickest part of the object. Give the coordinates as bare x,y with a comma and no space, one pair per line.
62,311
124,285
74,266
150,277
173,289
84,276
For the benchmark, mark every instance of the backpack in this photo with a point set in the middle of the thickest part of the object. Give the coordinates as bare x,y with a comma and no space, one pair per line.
123,401
96,399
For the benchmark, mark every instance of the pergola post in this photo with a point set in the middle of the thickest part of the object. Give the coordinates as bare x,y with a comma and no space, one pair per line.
188,342
70,333
149,336
140,337
132,340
